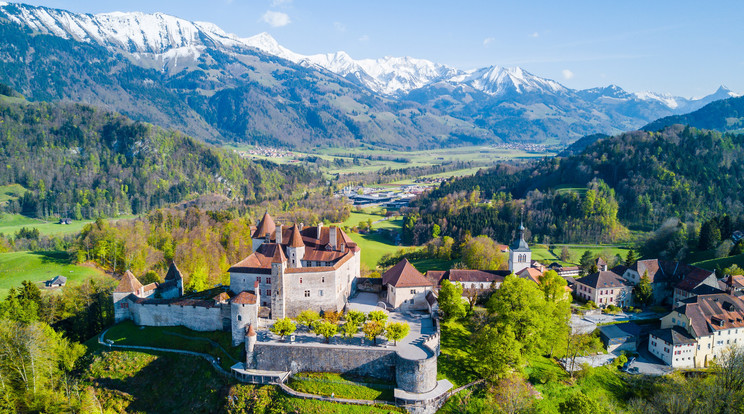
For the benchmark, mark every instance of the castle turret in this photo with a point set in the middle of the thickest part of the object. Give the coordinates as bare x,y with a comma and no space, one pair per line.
250,346
173,277
278,266
520,255
333,237
128,285
295,248
263,231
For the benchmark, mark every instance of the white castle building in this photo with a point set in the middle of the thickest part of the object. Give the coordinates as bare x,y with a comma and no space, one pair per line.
298,268
290,270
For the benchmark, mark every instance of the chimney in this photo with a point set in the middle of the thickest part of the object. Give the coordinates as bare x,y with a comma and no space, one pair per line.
342,247
320,226
302,226
268,237
278,233
333,237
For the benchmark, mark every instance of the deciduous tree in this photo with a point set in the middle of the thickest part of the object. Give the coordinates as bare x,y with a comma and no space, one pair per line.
450,300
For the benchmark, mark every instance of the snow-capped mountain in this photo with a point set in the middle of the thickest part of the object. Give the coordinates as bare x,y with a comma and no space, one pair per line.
168,40
196,77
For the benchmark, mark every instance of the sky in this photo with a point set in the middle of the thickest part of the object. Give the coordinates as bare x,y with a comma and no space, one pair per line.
686,48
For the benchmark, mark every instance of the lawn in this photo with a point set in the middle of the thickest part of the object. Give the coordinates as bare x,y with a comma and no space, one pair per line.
215,343
16,267
374,245
722,262
327,384
547,256
454,362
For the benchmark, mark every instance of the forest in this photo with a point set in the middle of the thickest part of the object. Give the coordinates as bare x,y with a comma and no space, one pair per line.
80,162
635,180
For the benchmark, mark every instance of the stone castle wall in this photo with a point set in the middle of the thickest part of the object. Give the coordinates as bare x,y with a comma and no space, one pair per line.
198,318
417,376
363,361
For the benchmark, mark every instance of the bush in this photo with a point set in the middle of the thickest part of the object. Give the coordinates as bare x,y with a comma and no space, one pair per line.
621,360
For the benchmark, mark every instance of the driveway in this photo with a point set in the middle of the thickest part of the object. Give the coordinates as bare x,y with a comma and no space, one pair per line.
647,363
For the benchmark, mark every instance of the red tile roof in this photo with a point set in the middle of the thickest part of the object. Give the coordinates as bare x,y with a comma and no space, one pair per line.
711,313
265,226
244,298
601,280
296,239
468,275
404,275
128,283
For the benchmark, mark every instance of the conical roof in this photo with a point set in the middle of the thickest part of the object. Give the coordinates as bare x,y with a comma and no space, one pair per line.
251,331
279,256
128,283
173,273
265,226
296,239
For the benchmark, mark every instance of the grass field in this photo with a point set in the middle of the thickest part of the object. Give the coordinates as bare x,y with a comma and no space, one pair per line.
217,343
16,267
547,256
11,192
328,384
723,262
10,224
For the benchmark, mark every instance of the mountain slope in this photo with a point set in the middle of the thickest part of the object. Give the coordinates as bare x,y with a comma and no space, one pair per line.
80,161
724,115
640,178
195,77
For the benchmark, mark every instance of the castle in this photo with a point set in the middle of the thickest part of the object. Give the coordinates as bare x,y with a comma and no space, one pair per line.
291,269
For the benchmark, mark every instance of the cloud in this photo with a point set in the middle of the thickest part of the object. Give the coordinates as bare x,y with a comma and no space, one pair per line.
364,38
275,3
276,19
535,35
339,26
487,41
567,74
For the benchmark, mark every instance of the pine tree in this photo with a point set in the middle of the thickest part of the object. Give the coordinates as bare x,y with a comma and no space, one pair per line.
631,258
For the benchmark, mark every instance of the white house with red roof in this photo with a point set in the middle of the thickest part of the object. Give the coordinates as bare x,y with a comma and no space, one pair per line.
406,287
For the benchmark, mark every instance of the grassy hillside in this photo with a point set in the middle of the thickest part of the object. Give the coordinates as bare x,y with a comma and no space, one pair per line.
16,267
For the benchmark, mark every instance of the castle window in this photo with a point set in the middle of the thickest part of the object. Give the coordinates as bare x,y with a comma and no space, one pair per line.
413,291
300,280
240,318
268,280
307,293
268,292
320,292
258,279
322,279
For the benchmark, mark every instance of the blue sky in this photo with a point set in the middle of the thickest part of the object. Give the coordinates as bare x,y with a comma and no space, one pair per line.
686,48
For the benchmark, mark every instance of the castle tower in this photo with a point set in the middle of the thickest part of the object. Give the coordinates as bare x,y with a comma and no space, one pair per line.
250,346
263,231
520,255
128,285
174,274
244,312
295,248
278,265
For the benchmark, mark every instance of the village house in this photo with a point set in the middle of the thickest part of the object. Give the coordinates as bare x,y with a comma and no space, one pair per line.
670,280
605,288
406,287
711,323
734,285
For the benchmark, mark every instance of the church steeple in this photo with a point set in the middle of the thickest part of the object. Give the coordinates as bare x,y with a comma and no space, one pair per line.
520,255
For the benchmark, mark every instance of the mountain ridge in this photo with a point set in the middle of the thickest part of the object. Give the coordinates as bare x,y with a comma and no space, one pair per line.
196,77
